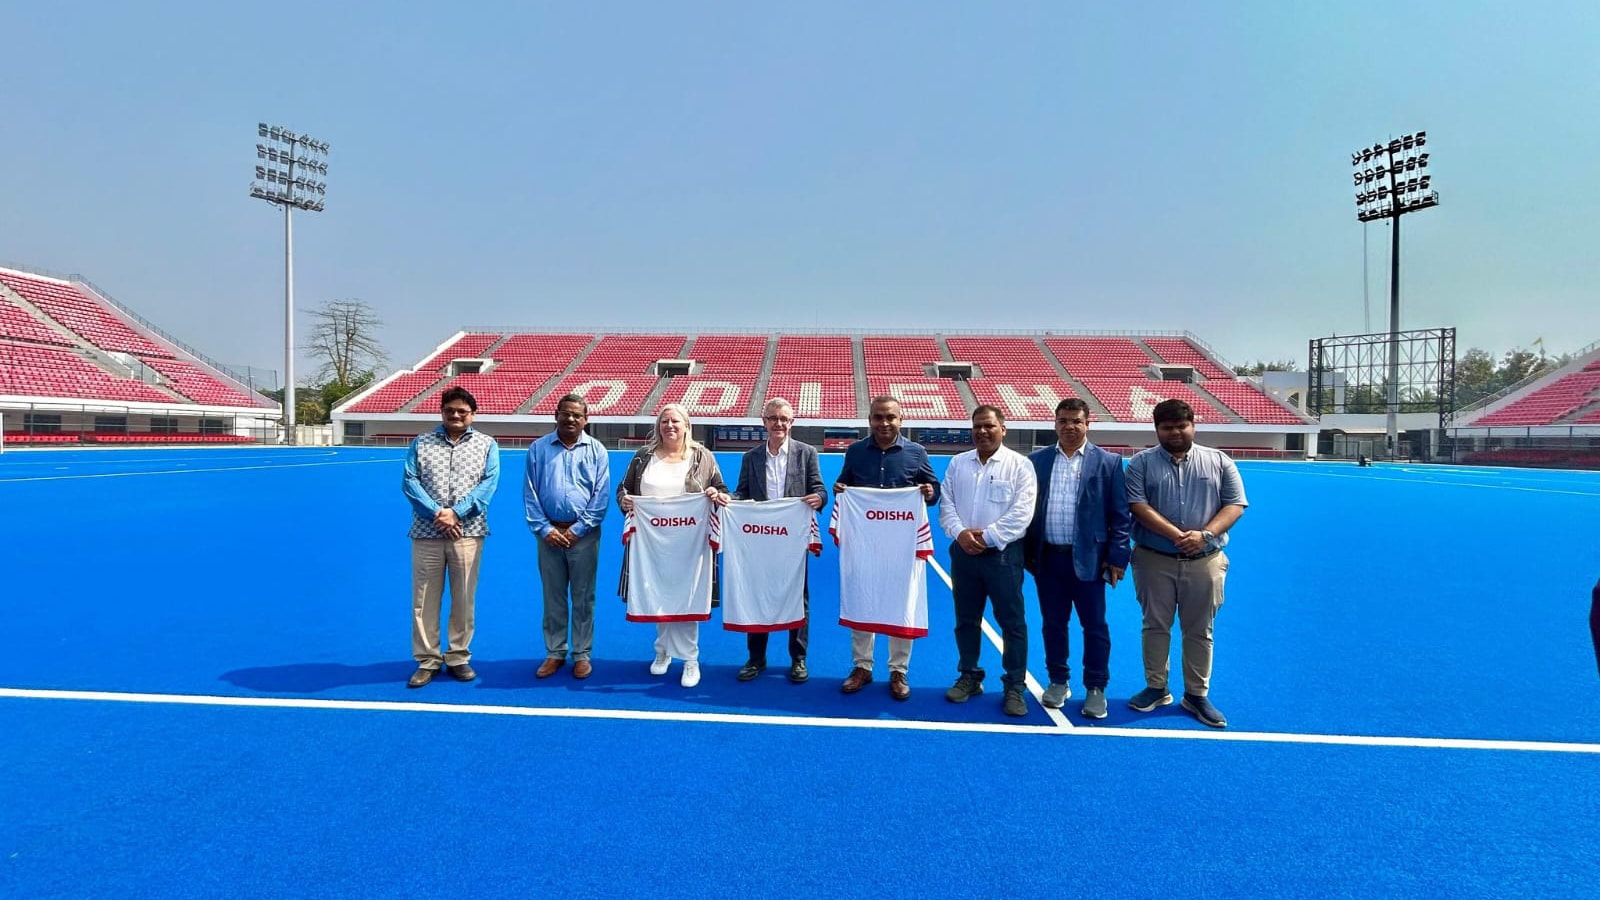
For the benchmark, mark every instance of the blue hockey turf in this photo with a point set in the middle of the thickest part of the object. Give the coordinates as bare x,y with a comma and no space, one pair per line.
1393,603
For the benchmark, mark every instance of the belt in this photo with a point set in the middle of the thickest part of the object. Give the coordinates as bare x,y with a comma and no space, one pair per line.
1057,548
1182,556
562,525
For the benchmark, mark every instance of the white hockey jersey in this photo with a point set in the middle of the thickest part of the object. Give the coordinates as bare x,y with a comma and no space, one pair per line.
884,538
764,546
672,544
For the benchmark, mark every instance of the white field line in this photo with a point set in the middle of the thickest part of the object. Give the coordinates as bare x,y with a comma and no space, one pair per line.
351,462
1454,484
994,637
523,711
630,715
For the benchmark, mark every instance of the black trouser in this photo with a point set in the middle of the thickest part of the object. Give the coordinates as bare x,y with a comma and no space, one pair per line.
994,576
757,641
1059,592
1594,622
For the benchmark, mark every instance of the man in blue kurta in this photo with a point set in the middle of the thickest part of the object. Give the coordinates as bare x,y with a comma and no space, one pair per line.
450,475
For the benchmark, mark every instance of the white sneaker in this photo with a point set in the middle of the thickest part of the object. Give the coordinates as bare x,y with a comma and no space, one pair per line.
659,667
691,673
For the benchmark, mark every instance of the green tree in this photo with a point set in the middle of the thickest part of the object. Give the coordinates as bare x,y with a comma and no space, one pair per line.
1516,365
1475,376
1419,401
1365,398
1260,367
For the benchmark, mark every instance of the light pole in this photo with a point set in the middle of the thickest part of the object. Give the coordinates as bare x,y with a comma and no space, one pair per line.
1391,180
289,172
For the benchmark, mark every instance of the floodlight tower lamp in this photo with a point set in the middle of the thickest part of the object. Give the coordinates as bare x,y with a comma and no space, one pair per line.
1393,196
286,152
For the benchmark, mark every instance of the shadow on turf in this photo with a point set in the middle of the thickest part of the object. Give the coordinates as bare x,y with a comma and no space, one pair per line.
719,688
312,678
771,692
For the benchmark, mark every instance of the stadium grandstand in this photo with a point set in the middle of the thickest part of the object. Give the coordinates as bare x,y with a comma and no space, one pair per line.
723,378
78,367
1549,419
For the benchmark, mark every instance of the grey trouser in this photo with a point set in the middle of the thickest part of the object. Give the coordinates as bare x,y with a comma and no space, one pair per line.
560,570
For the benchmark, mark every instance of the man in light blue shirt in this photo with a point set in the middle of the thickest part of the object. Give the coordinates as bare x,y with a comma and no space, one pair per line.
564,494
450,475
1184,498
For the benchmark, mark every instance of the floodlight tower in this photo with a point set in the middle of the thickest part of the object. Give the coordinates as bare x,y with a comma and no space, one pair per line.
289,172
1392,180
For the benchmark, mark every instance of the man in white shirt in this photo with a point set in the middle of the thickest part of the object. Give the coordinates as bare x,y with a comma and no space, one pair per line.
780,468
988,499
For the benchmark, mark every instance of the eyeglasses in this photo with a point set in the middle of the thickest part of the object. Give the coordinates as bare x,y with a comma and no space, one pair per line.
777,420
457,411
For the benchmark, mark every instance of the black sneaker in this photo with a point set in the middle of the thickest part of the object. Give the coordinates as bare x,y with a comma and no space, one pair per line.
965,688
1149,699
1204,711
1014,704
751,670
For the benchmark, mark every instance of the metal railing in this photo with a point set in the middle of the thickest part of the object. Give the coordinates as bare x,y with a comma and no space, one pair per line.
219,368
109,423
1524,446
162,333
1504,392
931,331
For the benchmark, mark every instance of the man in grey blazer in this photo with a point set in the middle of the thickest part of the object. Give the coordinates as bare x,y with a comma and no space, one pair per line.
780,468
1075,546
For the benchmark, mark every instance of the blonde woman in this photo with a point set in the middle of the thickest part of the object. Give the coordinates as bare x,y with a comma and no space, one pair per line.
672,463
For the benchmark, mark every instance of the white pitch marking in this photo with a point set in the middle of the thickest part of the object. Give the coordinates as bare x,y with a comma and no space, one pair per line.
1350,740
190,453
524,711
1347,740
1459,484
352,462
1056,715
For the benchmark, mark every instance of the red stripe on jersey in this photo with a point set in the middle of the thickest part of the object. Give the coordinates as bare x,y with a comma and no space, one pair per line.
898,631
762,629
690,617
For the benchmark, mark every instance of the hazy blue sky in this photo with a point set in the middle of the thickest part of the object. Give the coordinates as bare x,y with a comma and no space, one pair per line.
906,165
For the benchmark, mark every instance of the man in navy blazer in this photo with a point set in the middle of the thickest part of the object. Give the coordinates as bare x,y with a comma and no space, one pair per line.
780,468
1075,546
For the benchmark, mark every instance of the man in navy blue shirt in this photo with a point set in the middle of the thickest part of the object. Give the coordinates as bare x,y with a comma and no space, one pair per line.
885,460
1594,621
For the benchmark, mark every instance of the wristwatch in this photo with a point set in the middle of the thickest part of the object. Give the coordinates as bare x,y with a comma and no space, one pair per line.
1211,539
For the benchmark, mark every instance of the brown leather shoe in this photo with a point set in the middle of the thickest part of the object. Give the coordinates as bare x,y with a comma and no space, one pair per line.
858,679
582,669
549,666
898,688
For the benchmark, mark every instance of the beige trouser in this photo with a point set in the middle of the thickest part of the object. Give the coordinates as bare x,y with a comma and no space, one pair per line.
863,642
431,559
1191,589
